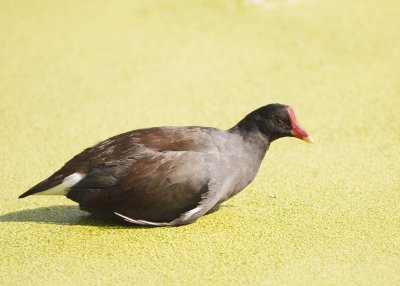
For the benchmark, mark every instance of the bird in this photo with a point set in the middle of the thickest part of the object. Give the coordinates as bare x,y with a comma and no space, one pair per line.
170,176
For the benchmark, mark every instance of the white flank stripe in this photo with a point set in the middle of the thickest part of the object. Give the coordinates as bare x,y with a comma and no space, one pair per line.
143,222
62,189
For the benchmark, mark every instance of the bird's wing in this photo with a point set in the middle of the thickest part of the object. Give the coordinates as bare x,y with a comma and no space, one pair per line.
121,151
209,198
158,187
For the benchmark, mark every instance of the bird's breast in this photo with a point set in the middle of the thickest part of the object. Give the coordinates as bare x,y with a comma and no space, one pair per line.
239,165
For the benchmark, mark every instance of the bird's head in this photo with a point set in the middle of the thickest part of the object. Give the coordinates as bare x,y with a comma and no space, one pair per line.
275,121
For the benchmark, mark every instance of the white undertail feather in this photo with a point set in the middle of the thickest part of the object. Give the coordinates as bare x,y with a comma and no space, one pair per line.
63,188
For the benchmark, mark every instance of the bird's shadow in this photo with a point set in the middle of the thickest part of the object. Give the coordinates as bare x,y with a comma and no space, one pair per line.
67,215
58,214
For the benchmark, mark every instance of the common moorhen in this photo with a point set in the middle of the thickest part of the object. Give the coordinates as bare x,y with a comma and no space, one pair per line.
169,176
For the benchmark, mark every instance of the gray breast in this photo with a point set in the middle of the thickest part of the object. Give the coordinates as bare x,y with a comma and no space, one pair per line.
238,162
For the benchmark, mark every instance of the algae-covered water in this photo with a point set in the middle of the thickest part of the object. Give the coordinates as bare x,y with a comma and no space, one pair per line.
75,72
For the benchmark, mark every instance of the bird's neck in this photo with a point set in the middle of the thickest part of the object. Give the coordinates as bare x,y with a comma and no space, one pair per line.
252,136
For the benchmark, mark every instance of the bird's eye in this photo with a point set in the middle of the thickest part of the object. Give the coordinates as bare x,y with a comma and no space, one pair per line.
280,121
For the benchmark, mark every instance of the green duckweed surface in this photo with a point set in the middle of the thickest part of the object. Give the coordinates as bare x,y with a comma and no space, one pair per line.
75,72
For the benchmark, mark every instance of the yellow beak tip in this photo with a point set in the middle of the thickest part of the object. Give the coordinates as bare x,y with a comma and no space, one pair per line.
309,139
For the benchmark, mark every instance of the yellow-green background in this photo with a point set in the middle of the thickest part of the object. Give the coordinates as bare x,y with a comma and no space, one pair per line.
76,72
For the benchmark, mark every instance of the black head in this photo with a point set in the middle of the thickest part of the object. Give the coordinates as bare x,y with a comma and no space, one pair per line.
274,121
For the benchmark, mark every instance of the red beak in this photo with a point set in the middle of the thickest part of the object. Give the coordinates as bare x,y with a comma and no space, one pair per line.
297,131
